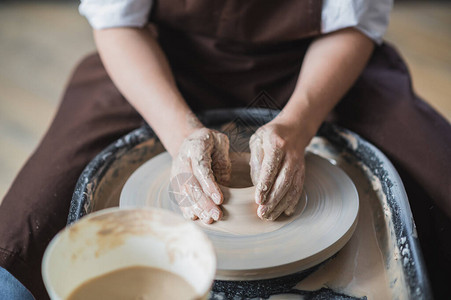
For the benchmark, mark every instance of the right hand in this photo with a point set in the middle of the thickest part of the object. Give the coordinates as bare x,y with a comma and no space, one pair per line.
201,163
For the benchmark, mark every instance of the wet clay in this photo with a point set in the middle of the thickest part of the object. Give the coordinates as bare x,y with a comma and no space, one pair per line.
239,207
137,282
249,248
240,214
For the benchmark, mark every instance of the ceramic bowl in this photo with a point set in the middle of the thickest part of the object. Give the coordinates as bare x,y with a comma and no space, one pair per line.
114,238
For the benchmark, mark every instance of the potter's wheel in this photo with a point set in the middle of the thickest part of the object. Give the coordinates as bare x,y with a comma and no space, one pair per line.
322,224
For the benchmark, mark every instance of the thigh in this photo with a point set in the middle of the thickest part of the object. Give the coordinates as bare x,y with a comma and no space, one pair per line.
91,115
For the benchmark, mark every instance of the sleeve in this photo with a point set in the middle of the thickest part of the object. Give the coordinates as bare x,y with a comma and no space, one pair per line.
116,13
369,16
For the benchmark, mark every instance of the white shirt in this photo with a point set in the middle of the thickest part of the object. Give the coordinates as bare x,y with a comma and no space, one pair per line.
369,16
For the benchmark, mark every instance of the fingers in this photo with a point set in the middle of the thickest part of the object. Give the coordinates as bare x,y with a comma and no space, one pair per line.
201,165
202,171
287,204
198,204
197,192
188,213
269,170
277,210
221,165
282,184
255,145
277,167
294,194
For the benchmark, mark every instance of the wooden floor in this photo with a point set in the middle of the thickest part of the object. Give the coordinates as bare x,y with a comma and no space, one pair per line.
41,42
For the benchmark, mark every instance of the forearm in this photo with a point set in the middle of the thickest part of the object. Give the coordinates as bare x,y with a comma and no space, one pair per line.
331,65
139,68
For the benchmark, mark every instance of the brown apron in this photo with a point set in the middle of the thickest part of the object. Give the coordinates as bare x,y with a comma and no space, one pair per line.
224,54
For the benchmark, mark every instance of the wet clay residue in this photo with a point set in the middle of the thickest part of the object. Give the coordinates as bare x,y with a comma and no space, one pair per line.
113,229
360,268
108,190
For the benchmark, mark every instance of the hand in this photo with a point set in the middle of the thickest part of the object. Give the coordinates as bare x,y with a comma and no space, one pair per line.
202,161
277,168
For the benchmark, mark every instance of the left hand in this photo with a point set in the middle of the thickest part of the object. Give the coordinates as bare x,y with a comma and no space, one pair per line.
277,168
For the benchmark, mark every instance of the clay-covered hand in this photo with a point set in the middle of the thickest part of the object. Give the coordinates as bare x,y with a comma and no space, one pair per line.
201,163
277,169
